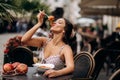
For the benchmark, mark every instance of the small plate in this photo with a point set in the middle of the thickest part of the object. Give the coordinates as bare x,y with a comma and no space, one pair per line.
48,66
41,68
8,75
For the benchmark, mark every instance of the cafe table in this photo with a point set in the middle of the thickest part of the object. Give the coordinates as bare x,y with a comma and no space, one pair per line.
29,76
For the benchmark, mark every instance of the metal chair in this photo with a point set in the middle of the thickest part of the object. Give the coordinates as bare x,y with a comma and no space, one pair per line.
84,65
115,75
22,54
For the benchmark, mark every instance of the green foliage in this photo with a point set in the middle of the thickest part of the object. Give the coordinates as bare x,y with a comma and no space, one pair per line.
21,6
4,11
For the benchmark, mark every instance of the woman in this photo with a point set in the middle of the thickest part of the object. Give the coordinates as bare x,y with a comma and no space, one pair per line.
56,50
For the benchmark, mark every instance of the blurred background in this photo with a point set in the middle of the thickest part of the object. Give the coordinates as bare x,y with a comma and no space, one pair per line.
95,17
13,12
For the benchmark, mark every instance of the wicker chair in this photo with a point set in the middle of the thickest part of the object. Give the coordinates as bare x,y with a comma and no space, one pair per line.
84,65
99,57
23,55
115,75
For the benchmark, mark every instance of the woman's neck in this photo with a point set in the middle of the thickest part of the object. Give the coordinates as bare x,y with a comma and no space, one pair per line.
57,39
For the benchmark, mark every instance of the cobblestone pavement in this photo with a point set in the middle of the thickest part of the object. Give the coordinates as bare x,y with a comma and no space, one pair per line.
3,39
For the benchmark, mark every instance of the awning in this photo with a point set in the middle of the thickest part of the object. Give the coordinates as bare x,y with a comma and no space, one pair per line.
85,22
100,7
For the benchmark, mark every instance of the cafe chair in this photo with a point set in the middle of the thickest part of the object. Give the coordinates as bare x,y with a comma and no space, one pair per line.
115,75
23,55
117,64
112,60
84,65
99,57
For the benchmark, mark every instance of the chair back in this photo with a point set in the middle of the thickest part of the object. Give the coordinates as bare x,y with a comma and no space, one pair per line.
99,57
115,75
84,65
23,55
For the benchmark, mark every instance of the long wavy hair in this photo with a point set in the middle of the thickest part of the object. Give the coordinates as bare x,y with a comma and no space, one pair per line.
68,31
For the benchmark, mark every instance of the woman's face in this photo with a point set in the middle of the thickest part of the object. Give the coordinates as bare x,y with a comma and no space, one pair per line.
58,25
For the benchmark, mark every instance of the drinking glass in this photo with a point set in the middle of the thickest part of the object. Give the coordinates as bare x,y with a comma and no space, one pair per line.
39,56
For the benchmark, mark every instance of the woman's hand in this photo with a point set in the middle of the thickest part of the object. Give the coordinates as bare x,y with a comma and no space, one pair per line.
40,16
51,73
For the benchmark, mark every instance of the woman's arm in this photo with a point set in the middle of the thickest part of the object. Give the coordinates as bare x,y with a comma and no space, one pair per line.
27,37
69,61
68,54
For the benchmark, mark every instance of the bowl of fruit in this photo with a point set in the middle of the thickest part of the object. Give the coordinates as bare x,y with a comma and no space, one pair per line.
16,68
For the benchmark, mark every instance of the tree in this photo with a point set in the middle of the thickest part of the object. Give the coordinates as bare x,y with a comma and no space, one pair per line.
5,8
8,7
20,6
